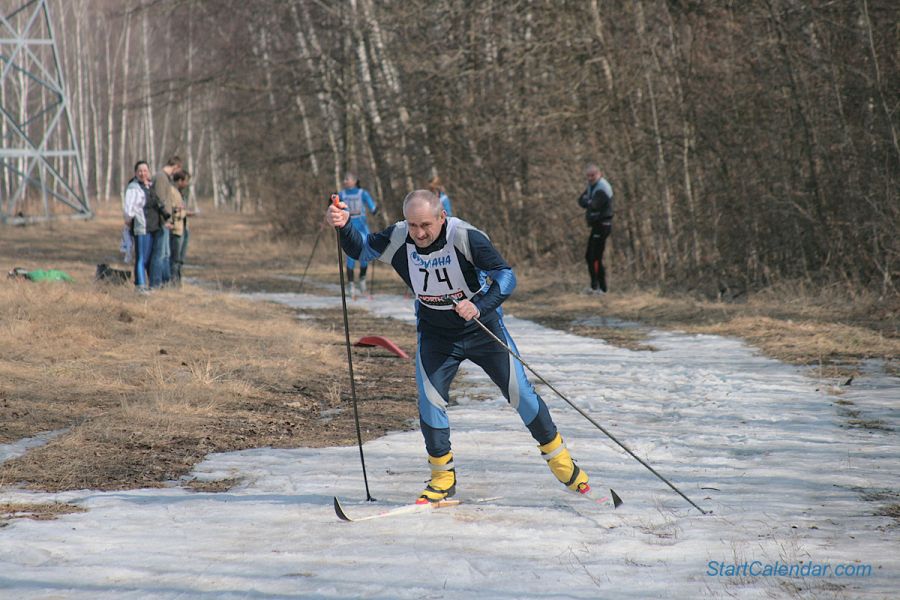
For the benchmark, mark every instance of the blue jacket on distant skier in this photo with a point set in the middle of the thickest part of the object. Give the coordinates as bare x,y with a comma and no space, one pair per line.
437,188
445,202
359,202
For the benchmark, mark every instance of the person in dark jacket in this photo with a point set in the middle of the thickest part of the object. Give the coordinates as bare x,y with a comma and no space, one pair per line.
597,200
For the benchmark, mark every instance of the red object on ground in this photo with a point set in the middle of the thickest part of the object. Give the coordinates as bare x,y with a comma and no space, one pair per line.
377,340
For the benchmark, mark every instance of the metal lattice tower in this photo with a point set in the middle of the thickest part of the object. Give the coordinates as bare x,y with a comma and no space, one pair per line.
40,160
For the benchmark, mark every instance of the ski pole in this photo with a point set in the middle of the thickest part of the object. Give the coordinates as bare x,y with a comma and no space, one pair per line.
311,254
334,200
581,412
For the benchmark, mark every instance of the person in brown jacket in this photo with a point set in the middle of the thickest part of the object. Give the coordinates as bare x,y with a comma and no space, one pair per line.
179,233
160,269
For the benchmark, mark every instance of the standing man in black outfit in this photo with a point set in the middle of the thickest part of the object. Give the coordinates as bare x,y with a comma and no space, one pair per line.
597,202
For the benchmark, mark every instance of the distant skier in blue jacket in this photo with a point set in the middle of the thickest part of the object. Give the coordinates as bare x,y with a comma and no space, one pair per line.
445,259
358,201
437,188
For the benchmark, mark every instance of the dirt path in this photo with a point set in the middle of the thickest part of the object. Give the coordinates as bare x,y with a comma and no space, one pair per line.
143,387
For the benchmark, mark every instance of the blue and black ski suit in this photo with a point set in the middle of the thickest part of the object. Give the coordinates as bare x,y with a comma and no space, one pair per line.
458,264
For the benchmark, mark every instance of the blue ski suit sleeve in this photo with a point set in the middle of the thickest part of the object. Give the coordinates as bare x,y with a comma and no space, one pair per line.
366,248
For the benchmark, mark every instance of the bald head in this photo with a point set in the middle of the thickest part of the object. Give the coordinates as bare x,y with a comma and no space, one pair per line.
425,217
422,199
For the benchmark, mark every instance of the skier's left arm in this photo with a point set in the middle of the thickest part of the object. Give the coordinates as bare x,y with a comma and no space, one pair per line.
486,258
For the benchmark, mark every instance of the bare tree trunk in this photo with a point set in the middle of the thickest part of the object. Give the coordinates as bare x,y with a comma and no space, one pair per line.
201,146
95,135
889,117
687,139
261,50
355,116
809,142
307,134
214,166
319,65
189,101
148,97
598,33
82,100
111,67
169,104
392,79
5,188
381,151
123,129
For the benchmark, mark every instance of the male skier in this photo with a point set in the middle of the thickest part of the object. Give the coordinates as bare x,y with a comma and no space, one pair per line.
447,262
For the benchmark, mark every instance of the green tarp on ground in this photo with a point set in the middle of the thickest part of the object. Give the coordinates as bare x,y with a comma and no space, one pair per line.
46,275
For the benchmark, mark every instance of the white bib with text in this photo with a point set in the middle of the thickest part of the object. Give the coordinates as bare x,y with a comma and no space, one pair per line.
437,277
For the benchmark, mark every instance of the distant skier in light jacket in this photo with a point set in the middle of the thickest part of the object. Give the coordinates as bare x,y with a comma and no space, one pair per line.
445,259
358,201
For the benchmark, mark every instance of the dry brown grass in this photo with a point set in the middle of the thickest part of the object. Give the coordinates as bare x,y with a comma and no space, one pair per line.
38,512
146,386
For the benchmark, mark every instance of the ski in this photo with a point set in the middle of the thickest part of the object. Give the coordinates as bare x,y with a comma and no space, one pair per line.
400,510
610,500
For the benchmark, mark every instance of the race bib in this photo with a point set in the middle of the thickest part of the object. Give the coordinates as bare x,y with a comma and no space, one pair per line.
437,278
354,203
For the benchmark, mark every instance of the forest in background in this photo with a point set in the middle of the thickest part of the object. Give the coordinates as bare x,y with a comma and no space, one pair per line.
747,142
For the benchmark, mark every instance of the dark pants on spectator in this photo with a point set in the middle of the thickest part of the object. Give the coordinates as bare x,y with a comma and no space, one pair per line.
594,255
159,259
178,249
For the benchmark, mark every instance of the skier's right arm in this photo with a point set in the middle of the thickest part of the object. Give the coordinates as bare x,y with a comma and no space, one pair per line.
584,200
352,241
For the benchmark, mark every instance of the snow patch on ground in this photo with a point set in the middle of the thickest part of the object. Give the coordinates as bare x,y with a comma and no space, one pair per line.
771,452
20,447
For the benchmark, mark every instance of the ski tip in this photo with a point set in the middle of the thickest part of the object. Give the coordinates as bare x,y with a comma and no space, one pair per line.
339,511
617,502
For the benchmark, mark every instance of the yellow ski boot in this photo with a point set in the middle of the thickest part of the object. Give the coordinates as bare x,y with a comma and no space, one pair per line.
443,479
563,467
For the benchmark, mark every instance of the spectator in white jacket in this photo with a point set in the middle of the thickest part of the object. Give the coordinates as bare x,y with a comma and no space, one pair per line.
133,206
